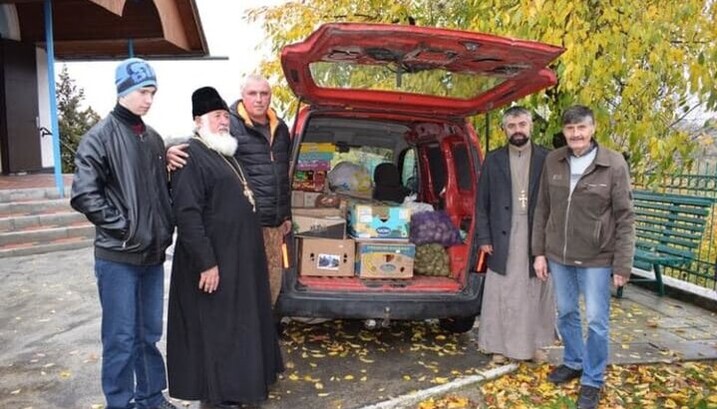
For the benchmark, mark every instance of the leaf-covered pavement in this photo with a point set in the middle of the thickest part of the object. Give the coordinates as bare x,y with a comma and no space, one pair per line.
683,385
339,364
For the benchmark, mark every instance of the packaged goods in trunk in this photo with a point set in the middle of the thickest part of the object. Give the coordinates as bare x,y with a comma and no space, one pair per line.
375,221
317,147
304,199
309,180
350,178
328,227
304,164
326,257
321,212
385,259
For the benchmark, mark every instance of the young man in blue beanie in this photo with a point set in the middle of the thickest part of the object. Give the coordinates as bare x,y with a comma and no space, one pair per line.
120,185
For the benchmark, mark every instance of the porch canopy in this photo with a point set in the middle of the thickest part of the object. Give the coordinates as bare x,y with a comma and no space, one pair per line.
107,29
81,30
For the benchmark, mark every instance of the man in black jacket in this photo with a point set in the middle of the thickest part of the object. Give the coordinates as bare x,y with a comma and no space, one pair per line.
120,185
518,313
263,150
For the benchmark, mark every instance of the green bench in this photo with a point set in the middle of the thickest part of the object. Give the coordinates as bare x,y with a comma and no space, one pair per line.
668,232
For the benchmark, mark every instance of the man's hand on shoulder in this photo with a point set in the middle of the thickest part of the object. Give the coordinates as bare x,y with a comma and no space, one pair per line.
177,156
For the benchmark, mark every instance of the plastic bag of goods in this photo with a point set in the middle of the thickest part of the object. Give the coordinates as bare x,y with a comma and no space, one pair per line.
347,177
416,207
433,227
432,260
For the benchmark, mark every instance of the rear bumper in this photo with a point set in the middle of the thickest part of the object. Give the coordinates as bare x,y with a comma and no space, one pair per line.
406,306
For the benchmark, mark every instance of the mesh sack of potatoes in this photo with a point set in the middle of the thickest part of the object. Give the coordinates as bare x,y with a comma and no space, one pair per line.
431,260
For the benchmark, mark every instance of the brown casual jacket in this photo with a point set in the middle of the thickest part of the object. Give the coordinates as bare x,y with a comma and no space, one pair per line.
593,227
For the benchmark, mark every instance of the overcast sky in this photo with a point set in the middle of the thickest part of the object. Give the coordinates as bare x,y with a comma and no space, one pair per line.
228,35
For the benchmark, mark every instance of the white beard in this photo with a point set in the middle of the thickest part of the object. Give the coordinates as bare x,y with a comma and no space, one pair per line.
221,142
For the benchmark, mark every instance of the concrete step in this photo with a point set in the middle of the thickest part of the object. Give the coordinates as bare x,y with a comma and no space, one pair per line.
26,249
44,235
40,221
41,206
33,194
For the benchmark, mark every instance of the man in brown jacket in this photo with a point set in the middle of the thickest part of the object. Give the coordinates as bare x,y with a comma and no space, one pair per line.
583,231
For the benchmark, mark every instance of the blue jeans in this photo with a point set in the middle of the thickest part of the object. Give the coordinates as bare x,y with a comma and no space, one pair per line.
594,284
132,299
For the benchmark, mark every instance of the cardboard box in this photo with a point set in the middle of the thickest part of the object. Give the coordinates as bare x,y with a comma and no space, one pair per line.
300,198
320,212
310,198
325,257
385,259
322,227
297,198
371,221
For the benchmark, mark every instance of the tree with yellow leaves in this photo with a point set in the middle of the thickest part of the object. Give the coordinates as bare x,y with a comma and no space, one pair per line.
643,66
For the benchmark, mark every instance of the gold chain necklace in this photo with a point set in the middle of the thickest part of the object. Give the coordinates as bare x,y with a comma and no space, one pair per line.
234,165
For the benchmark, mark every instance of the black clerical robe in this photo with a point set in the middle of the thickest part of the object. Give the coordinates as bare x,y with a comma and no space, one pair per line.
220,346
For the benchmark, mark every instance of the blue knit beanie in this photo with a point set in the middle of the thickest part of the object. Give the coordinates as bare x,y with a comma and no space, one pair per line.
132,74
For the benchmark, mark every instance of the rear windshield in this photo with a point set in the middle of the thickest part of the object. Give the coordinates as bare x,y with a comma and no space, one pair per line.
415,80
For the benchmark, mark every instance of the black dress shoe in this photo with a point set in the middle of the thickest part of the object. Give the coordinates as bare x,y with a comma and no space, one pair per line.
589,397
220,405
564,374
227,405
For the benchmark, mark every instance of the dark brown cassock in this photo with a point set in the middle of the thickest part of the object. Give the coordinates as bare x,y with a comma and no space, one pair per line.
221,346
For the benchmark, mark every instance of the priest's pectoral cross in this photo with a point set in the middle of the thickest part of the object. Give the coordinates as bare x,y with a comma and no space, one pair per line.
250,197
523,199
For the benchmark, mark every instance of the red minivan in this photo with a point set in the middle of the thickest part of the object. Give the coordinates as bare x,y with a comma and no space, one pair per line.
424,83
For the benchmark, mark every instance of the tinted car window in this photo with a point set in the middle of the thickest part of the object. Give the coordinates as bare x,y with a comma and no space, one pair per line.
463,167
437,168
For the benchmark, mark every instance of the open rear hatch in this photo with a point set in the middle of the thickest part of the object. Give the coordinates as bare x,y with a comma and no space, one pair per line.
415,70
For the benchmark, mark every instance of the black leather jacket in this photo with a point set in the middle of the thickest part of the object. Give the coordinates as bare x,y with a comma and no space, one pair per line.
120,185
266,164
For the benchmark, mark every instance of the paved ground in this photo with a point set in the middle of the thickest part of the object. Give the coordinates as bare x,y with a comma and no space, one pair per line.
49,332
49,329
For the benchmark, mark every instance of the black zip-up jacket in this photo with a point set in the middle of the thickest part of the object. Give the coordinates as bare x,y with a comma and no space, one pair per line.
120,185
266,163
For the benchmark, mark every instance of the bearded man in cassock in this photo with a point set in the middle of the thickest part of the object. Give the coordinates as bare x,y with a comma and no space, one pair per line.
518,313
222,346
